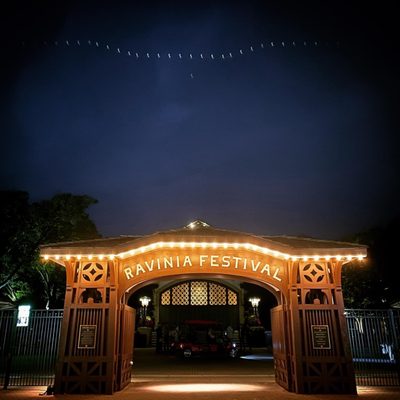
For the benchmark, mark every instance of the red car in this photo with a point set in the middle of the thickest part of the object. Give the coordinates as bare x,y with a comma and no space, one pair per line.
203,337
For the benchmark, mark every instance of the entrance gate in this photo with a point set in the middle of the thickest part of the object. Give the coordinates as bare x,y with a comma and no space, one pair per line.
28,350
310,340
278,319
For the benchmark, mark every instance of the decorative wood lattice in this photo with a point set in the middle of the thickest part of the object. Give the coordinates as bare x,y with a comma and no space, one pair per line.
180,295
91,273
199,293
313,273
232,298
217,295
166,298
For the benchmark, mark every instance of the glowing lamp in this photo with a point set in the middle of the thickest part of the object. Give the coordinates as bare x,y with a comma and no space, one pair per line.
144,301
254,301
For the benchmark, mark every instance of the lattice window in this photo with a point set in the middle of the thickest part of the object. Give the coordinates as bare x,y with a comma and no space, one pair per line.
217,295
313,273
93,272
166,298
232,298
180,295
198,293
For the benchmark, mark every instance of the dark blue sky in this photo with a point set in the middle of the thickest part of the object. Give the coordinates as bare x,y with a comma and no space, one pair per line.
298,140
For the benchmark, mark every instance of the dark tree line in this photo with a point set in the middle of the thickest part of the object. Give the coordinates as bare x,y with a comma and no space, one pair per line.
24,226
374,282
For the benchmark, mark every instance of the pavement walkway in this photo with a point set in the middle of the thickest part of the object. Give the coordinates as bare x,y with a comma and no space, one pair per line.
211,389
169,378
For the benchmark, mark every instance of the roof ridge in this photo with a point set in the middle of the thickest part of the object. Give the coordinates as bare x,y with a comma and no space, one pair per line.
92,240
314,239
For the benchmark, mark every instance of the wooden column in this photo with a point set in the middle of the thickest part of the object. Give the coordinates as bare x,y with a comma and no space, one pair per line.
320,355
88,338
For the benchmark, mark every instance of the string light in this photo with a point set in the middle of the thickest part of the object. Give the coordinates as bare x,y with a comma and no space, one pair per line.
211,245
189,55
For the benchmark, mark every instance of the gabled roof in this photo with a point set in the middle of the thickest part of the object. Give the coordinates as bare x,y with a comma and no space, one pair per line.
311,243
201,233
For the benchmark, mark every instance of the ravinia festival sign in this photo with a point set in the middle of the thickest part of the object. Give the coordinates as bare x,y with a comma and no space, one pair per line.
204,262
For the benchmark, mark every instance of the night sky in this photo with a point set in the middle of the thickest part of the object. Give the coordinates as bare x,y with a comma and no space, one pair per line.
284,139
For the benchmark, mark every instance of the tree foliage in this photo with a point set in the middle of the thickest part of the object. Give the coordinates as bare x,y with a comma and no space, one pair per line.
64,218
372,283
19,239
23,227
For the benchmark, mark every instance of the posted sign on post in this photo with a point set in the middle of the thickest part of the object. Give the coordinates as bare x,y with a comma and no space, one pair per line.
87,336
320,337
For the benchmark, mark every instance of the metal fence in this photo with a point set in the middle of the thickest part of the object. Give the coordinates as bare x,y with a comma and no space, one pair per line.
28,353
374,340
28,350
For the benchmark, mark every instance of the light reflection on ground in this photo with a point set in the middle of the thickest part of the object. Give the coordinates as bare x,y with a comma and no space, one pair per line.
205,387
257,357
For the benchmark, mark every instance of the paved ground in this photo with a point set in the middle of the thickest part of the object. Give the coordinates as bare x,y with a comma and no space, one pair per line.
199,390
146,363
203,379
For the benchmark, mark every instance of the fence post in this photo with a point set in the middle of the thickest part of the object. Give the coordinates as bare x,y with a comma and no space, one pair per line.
11,346
396,349
8,371
393,329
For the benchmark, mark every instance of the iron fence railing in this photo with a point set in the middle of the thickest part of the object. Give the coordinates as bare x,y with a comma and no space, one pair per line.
28,353
374,341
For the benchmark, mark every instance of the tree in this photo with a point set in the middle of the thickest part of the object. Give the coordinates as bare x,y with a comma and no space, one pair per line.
18,239
372,283
51,290
25,226
64,218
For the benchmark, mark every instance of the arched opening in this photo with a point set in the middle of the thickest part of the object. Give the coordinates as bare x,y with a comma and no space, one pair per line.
182,313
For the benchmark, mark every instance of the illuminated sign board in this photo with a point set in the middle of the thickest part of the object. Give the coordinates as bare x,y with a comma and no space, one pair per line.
203,261
23,315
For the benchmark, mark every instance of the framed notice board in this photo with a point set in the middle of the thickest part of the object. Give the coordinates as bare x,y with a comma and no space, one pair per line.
87,336
320,337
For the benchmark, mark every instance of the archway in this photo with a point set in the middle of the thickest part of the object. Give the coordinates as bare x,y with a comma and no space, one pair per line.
311,349
183,312
192,310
